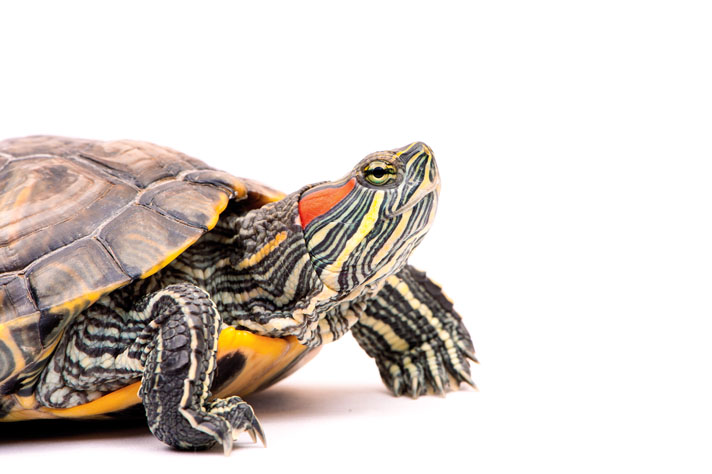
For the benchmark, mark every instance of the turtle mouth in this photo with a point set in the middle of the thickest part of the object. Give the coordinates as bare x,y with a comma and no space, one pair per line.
429,193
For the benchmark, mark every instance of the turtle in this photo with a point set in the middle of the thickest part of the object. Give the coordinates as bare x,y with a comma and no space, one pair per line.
135,277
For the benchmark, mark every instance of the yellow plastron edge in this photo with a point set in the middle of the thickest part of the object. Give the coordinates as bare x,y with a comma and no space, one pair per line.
267,360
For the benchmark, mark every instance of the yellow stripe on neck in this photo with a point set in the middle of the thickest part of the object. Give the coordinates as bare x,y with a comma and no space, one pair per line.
263,252
367,224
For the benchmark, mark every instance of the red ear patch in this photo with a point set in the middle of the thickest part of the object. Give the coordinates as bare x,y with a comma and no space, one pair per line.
314,204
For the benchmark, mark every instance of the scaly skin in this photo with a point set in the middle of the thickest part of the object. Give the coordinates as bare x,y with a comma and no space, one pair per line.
417,339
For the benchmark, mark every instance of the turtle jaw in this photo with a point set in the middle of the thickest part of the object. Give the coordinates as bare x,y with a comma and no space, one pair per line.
432,193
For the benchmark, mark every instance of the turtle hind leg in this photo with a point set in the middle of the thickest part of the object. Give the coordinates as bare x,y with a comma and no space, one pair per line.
179,345
419,342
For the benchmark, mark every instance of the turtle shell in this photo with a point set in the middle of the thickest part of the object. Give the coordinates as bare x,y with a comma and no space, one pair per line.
81,218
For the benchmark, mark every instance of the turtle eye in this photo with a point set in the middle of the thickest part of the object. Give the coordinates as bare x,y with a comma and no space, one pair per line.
379,172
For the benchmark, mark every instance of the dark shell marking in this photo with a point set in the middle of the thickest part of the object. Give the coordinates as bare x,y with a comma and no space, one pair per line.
80,218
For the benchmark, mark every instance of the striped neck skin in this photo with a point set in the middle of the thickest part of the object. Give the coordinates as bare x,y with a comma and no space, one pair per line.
259,273
361,229
268,284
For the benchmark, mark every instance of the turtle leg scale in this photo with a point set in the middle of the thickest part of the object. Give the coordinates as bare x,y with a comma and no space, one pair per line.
178,371
419,342
169,341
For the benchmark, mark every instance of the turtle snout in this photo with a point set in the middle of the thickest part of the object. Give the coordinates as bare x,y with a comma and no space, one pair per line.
421,171
418,156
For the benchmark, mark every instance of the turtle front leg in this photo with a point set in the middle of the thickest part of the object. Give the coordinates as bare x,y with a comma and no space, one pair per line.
419,342
167,339
178,349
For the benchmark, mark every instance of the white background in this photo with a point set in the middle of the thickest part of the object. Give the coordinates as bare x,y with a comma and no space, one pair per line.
574,143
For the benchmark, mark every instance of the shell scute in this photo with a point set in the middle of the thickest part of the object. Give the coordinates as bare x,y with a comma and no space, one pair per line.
219,178
69,280
15,299
197,206
44,145
144,241
48,203
138,162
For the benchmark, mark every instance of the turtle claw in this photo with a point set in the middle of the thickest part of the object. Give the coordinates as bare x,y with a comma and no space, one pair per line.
438,387
397,387
468,380
432,368
257,433
227,445
239,416
414,386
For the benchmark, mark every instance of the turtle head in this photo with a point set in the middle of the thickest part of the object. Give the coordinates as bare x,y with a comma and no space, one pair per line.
362,228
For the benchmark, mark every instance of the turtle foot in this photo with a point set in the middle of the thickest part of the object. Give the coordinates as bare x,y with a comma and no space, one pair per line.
431,368
220,422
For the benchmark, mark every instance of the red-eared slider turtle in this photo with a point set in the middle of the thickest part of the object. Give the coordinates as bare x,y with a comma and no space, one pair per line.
133,274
